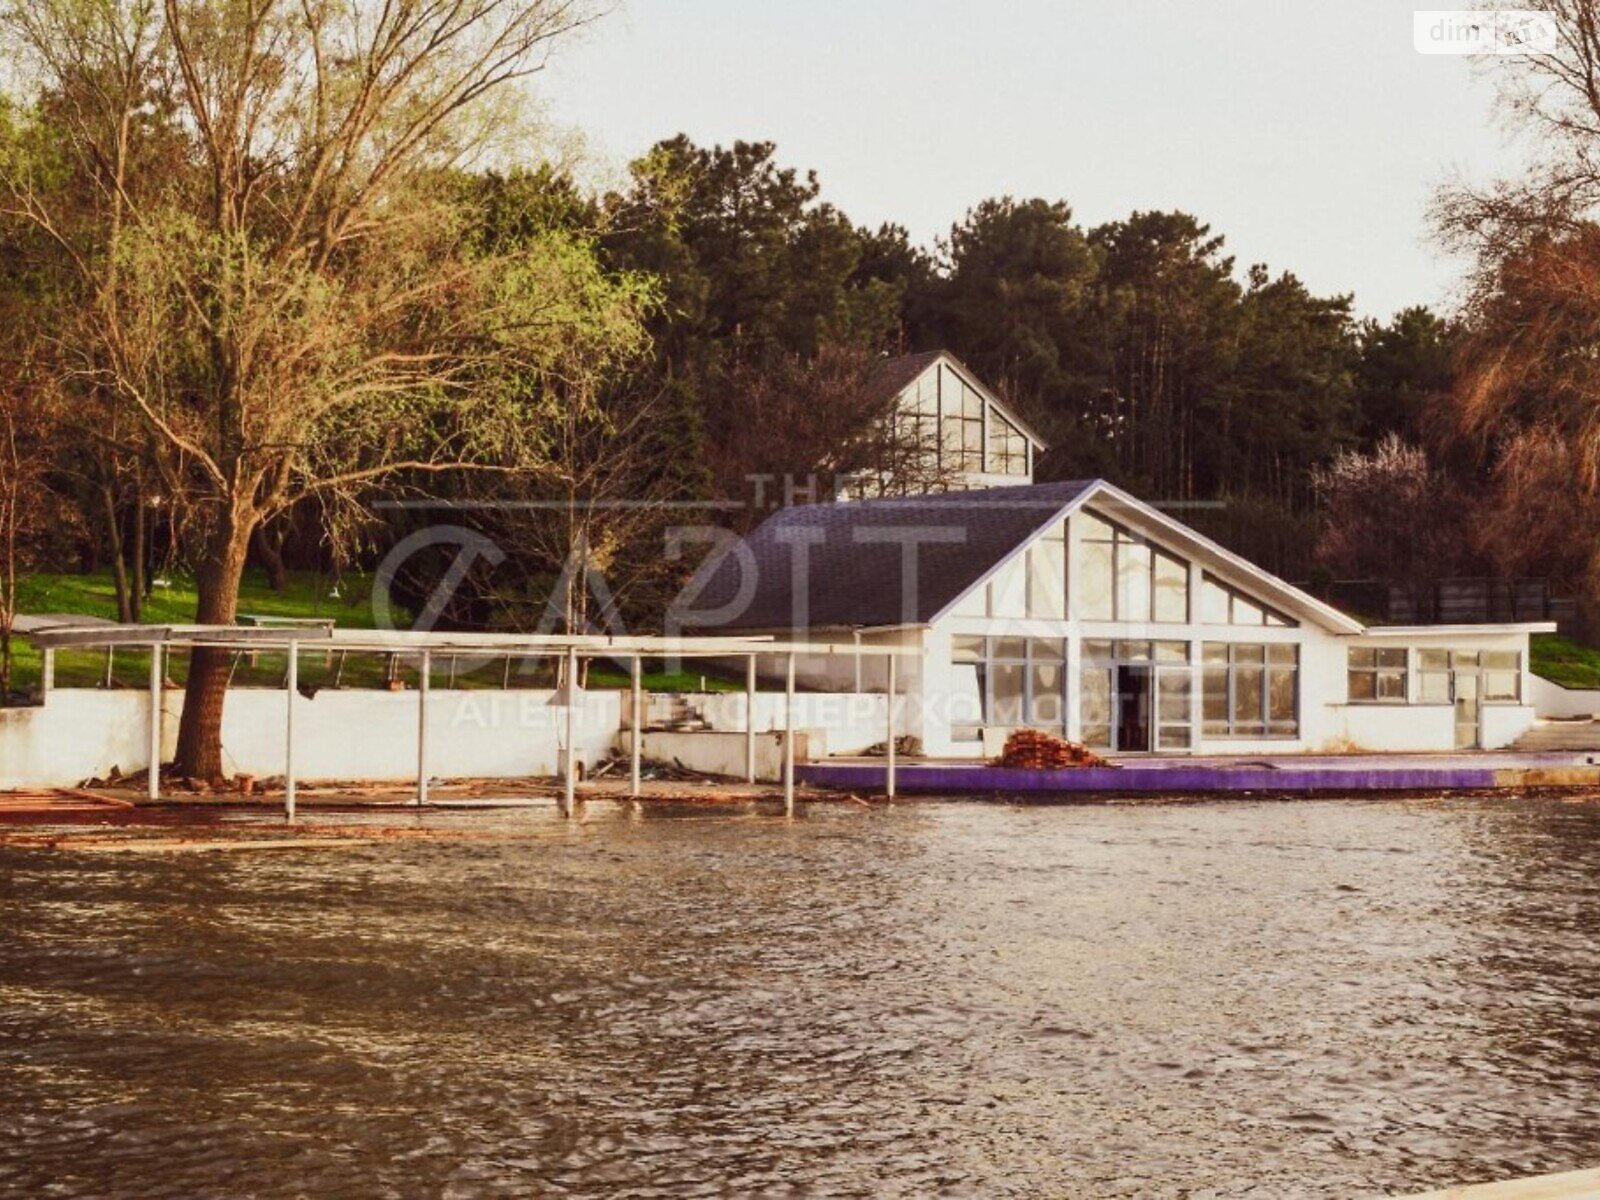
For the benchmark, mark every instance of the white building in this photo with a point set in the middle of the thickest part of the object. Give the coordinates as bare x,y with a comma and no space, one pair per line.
967,436
1076,608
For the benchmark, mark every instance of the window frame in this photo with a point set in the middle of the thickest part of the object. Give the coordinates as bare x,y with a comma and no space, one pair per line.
1239,659
1376,671
1150,572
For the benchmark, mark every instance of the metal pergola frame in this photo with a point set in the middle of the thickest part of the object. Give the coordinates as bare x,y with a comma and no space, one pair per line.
572,649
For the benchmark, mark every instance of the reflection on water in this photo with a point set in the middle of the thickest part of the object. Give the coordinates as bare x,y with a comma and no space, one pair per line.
1317,999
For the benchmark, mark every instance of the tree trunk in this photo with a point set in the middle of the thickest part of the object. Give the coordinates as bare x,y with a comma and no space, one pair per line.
269,549
119,567
217,584
138,587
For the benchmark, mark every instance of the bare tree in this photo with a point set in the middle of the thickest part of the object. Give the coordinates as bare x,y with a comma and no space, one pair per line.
1388,515
23,508
265,262
818,425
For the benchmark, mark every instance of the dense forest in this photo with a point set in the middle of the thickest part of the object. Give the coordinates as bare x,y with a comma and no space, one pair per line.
264,304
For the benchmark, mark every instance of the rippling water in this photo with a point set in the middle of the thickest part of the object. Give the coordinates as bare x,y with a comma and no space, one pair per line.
1233,999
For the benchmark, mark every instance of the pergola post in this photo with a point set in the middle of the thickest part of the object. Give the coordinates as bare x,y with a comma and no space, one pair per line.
154,791
750,719
569,774
422,729
291,687
788,738
888,774
637,723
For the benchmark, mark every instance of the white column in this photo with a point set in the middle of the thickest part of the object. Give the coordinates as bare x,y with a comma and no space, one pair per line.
154,791
788,739
569,780
638,722
750,719
422,729
888,774
47,672
292,686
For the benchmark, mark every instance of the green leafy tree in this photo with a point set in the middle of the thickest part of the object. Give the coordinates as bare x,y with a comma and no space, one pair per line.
266,281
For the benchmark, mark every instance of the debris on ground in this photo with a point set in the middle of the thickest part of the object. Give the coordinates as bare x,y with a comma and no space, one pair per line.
1035,750
905,745
652,770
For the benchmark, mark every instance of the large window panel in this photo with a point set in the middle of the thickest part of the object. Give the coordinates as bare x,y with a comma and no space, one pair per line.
1120,576
1093,584
962,438
1174,724
1047,579
1008,448
1172,589
1134,565
1223,605
1094,701
1250,690
1008,590
1008,681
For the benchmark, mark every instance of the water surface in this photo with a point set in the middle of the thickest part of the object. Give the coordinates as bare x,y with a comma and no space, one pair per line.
1317,998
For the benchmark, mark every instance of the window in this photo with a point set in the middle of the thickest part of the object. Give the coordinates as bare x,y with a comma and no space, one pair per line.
1433,677
1008,590
1437,672
1018,681
1377,675
1047,574
1122,577
1250,690
917,418
1502,676
1222,605
1008,448
962,409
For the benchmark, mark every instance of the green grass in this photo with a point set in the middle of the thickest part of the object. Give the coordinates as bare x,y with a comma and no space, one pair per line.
1562,660
305,595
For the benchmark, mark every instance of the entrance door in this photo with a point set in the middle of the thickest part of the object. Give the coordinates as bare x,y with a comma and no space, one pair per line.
1134,686
1468,700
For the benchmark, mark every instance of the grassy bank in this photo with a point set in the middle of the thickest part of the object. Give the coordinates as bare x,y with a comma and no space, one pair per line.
305,594
1564,661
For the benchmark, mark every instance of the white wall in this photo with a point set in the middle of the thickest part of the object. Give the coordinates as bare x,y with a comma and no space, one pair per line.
724,753
852,721
81,734
1505,723
77,735
1553,700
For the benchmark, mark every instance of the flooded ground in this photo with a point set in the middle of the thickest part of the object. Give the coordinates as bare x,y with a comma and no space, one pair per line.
1317,998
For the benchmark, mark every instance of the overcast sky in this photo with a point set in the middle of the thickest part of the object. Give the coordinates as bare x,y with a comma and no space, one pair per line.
1311,134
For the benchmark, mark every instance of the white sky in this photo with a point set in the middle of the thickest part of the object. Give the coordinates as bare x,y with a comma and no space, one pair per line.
1311,134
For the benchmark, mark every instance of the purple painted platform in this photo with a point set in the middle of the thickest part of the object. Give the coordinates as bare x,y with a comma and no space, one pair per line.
968,778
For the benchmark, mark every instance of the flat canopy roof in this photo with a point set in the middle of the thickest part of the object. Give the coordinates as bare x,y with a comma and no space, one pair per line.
384,641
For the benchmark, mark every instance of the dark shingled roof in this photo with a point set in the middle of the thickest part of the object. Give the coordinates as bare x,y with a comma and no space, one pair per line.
853,554
891,376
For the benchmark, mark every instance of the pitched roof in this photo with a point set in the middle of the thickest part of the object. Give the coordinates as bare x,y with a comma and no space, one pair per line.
841,565
893,375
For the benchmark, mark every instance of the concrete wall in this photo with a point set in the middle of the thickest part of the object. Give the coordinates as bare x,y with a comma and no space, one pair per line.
1391,727
77,735
851,721
81,734
1553,700
724,753
1505,723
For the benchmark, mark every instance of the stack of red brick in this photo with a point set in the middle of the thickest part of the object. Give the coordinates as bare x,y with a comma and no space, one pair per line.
1036,751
